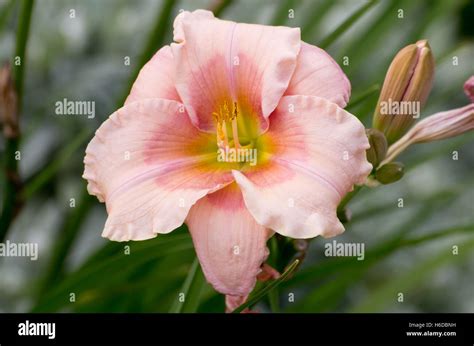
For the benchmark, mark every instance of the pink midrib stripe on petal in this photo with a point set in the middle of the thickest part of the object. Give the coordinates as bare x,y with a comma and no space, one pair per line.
155,171
311,173
230,67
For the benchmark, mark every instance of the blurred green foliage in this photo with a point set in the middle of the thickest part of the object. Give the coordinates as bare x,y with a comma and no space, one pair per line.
409,250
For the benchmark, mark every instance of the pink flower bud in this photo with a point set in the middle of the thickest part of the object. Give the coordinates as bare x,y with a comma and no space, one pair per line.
469,88
405,90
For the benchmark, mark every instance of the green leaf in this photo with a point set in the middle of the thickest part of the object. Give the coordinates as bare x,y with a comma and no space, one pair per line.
281,13
49,172
12,183
344,26
255,298
363,96
348,271
380,298
112,270
5,12
155,40
191,290
220,7
312,22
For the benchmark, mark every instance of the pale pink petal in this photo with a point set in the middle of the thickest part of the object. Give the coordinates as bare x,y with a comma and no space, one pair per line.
220,61
156,78
317,155
230,245
144,163
317,74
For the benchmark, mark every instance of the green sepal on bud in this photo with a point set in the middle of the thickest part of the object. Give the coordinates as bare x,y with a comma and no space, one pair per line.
390,172
378,146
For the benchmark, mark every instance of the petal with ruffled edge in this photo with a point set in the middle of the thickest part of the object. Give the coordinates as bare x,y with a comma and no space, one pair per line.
317,153
230,245
150,165
220,61
156,79
317,74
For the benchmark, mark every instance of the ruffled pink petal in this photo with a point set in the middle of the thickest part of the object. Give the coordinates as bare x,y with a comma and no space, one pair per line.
318,155
156,78
219,61
230,245
317,74
143,163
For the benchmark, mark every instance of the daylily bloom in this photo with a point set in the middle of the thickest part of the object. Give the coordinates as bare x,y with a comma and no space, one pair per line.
226,87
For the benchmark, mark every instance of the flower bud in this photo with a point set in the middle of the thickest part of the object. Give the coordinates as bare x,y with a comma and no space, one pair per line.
469,88
390,172
378,146
435,127
8,104
405,89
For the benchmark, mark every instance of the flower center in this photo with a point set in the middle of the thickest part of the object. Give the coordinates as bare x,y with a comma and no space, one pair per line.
227,118
235,140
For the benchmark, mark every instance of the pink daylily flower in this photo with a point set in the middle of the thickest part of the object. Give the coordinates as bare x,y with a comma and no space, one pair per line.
171,154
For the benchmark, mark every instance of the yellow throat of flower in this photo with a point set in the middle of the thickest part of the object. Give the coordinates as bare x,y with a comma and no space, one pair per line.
237,136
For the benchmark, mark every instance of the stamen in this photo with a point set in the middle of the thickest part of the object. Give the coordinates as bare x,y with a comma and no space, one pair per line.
235,133
222,118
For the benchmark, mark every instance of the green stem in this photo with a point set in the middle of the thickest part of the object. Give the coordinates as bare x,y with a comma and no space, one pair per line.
255,298
20,48
11,201
191,290
348,197
66,238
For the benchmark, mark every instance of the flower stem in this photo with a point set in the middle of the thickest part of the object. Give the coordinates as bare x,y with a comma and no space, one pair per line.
260,294
348,197
11,201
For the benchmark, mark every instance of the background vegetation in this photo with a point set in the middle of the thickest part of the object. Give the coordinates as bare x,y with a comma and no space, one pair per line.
408,250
